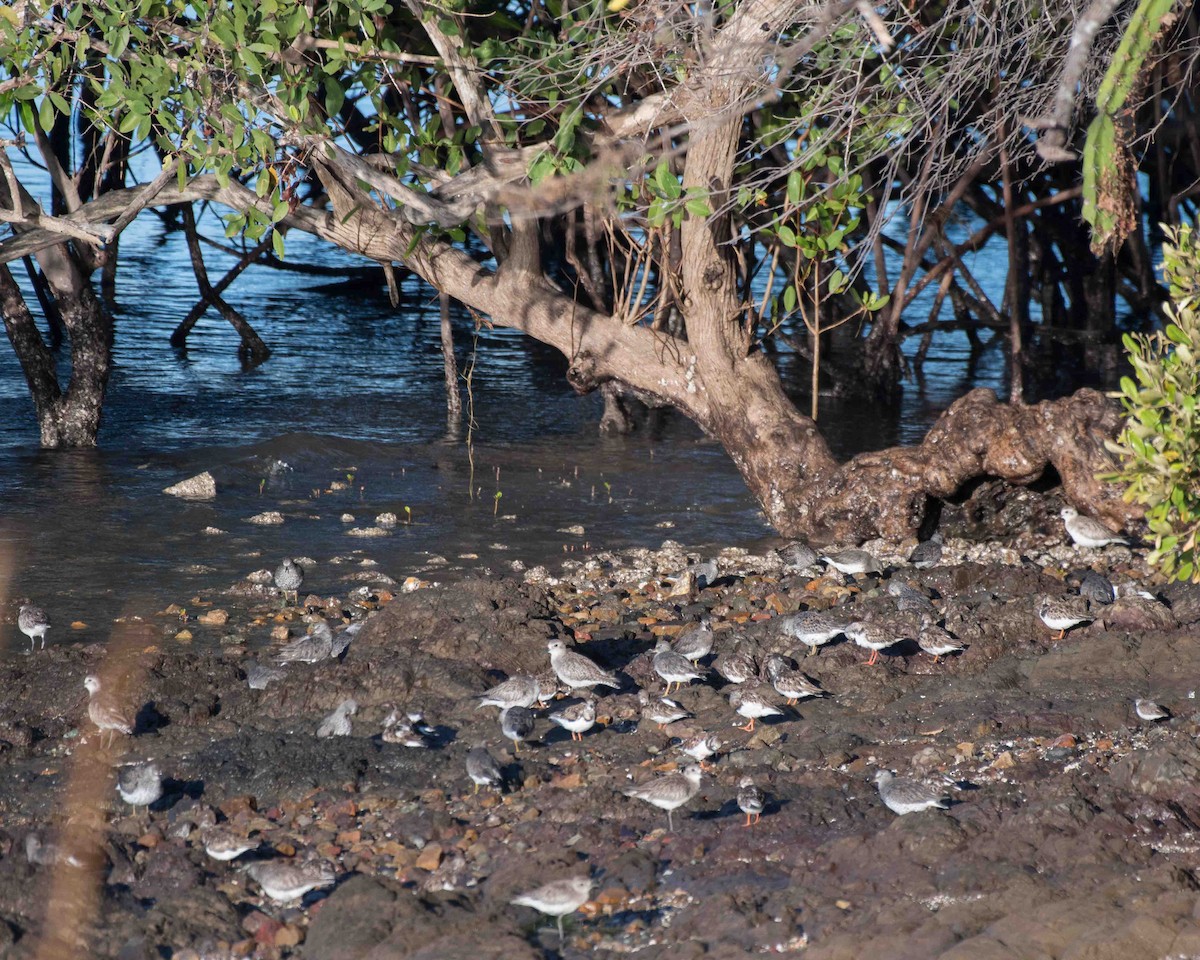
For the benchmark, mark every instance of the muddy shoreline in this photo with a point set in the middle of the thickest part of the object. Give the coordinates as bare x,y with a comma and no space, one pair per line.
1072,833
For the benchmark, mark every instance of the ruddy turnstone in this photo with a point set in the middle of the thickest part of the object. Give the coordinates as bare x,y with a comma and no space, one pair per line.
578,718
406,729
751,702
873,636
788,681
660,710
557,899
937,642
669,791
750,800
901,795
225,845
1063,613
701,747
737,665
576,670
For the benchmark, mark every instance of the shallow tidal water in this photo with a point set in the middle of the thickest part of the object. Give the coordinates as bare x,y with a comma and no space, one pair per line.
354,388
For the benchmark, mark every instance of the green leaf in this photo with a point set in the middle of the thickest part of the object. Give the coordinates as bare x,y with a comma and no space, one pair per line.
787,236
46,114
698,207
795,187
789,298
666,182
335,96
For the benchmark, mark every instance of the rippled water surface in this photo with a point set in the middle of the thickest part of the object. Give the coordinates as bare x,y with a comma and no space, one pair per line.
354,387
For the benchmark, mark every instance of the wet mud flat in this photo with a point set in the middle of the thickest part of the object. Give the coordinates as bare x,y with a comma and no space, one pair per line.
1072,830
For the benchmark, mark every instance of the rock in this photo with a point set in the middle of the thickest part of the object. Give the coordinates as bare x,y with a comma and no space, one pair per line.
200,487
366,532
267,518
1167,770
215,618
367,917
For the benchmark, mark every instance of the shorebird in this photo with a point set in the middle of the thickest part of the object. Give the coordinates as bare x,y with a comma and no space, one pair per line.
750,800
1063,613
701,747
674,668
104,711
312,648
902,796
937,642
872,636
289,577
696,642
225,845
576,670
797,555
259,676
285,880
519,690
670,791
1087,532
736,666
33,622
812,628
406,730
516,723
660,710
853,561
788,681
578,718
750,702
927,553
908,598
483,769
557,899
140,784
1096,588
1150,711
338,724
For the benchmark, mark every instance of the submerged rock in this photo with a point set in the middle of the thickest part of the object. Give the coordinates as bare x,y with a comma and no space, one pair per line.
200,487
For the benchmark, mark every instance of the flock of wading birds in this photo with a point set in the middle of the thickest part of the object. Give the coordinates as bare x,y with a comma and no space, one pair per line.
753,687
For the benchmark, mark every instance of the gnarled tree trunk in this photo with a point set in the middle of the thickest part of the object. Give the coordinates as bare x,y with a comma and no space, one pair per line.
71,417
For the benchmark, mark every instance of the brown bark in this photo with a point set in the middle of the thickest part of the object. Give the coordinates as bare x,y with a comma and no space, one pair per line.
886,493
70,419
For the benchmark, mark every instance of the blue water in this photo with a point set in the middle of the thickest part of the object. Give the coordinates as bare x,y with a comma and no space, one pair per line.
355,387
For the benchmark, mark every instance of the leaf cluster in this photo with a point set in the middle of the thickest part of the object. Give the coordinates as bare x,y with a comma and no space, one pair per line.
1159,446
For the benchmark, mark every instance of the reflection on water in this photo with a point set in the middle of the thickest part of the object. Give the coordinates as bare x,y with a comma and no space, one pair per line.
354,386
